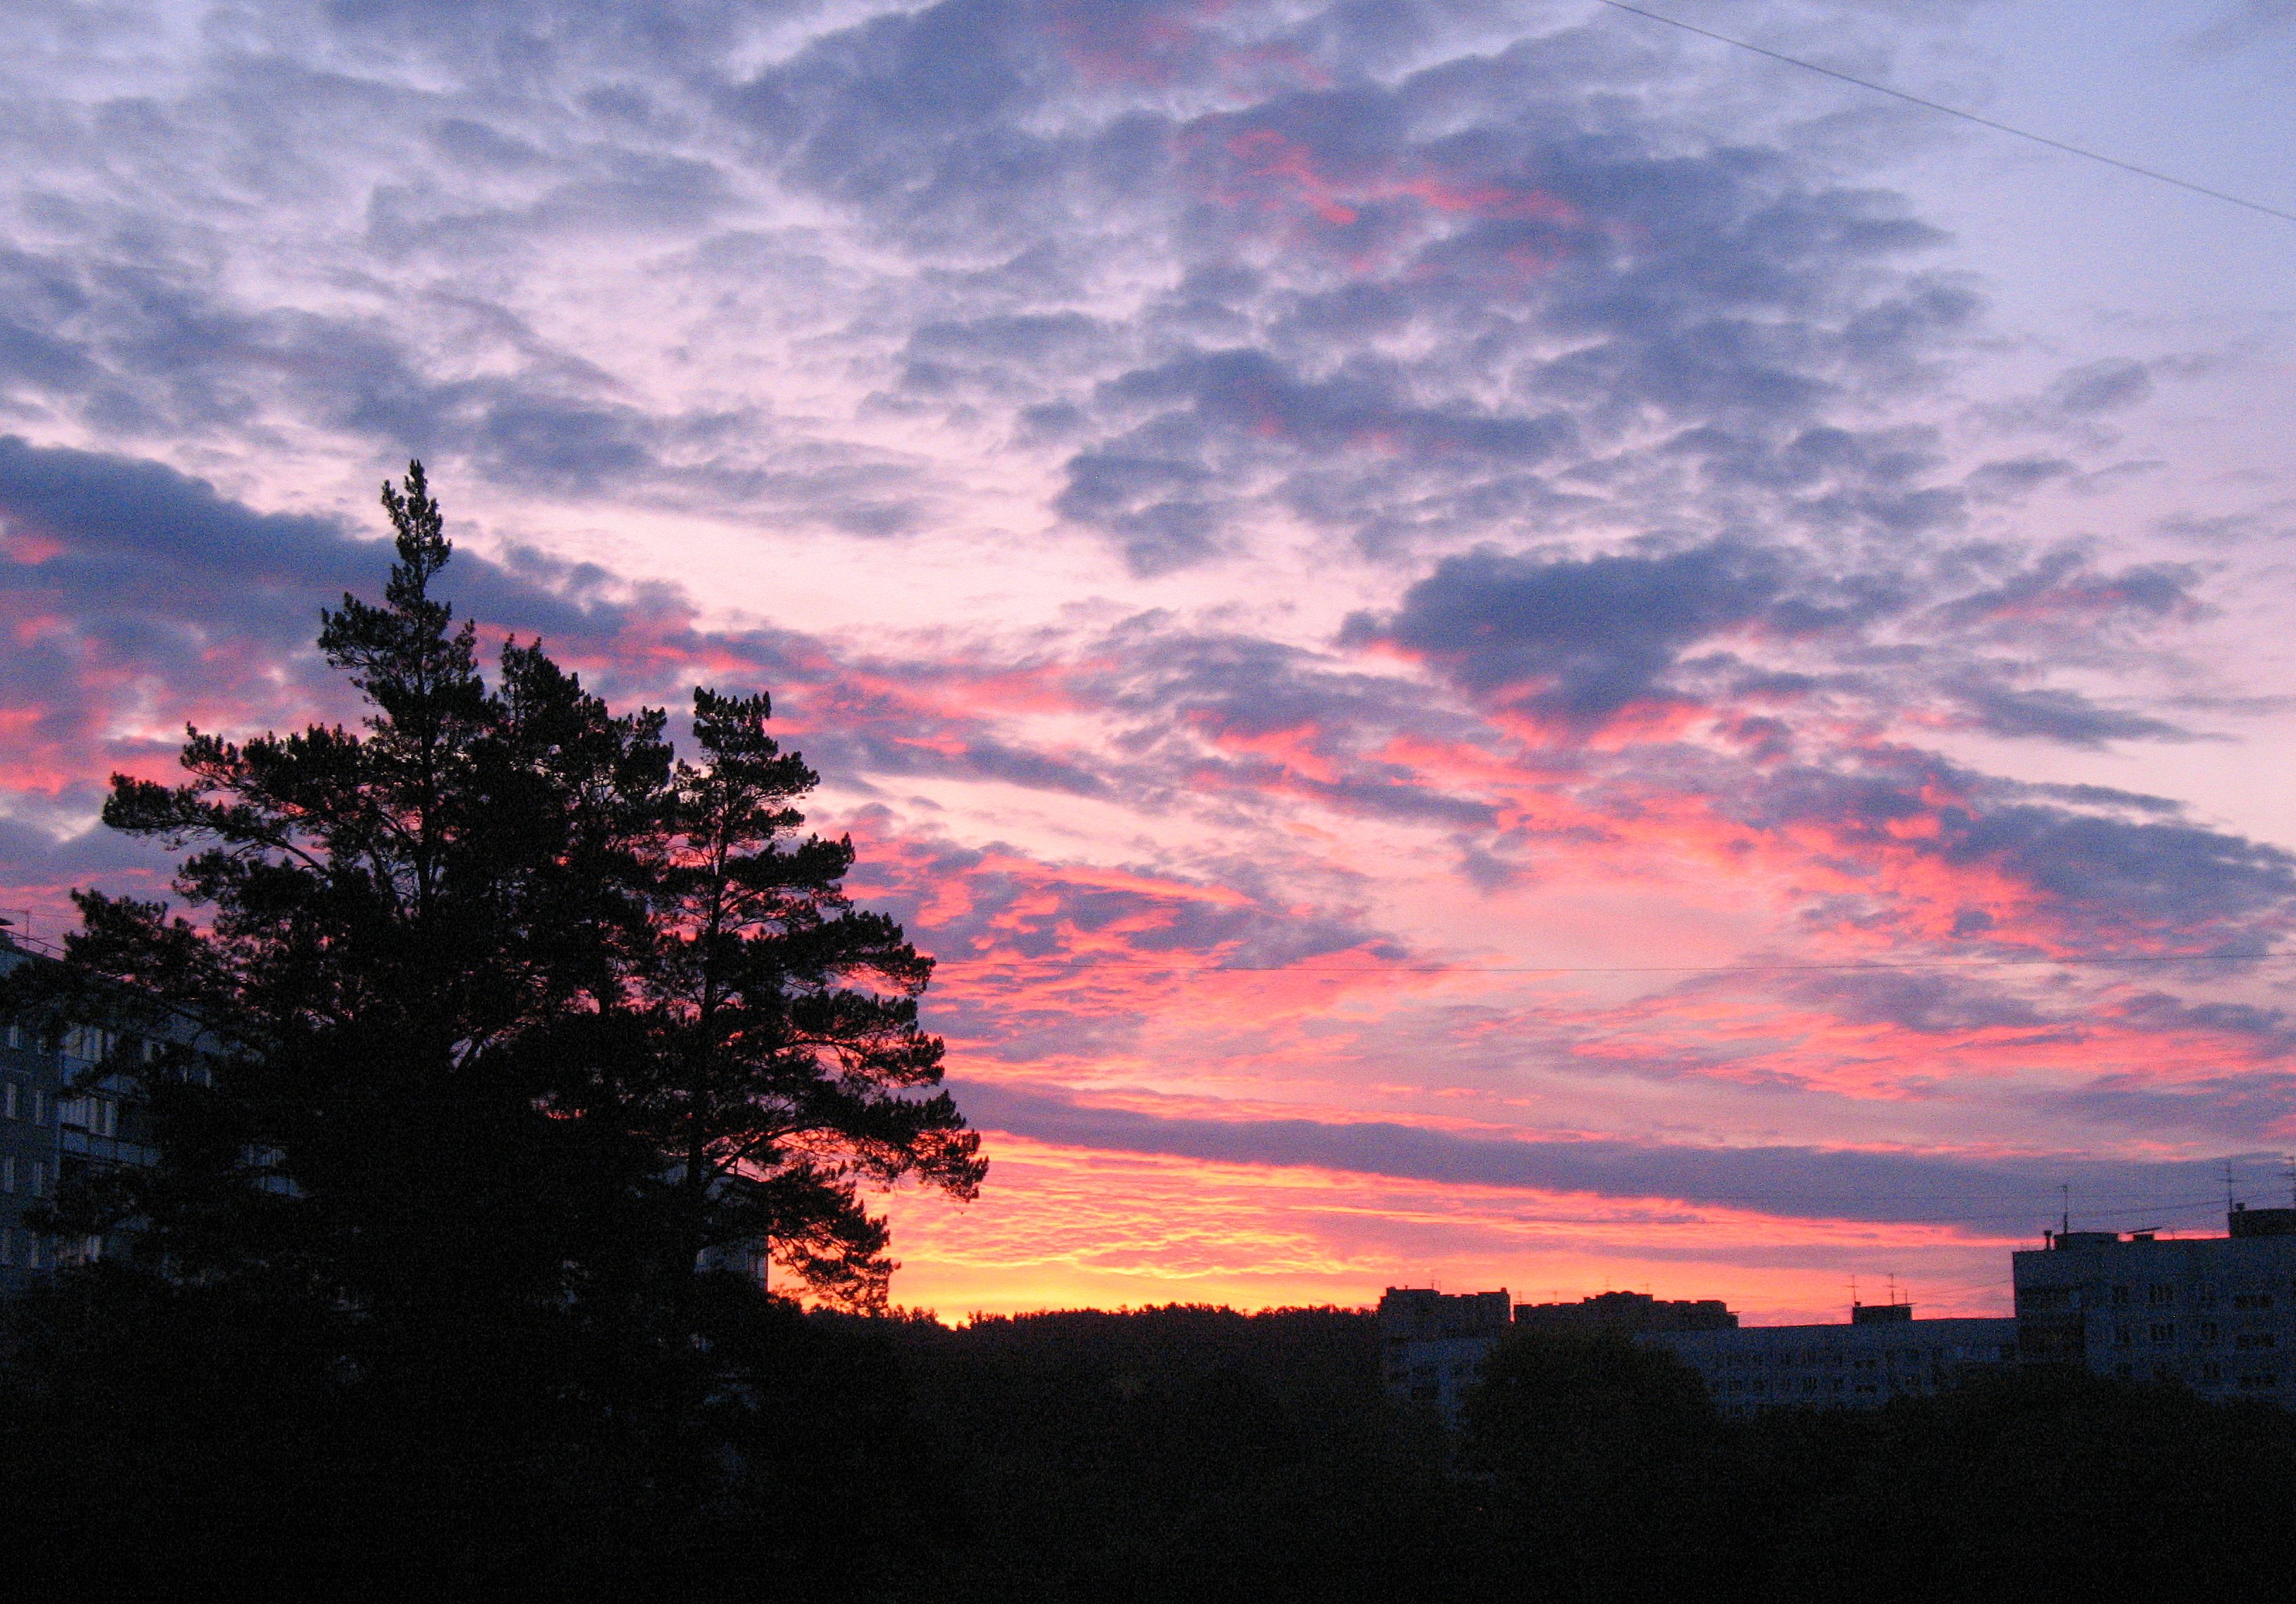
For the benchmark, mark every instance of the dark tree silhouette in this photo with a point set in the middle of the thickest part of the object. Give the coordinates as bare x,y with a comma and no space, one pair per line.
782,1088
1602,1454
510,1017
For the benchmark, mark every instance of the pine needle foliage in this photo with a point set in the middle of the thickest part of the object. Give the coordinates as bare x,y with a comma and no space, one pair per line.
514,1027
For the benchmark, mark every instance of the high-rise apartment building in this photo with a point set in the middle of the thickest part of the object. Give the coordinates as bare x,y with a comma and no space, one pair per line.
1433,1346
57,1113
2217,1314
31,1087
1883,1353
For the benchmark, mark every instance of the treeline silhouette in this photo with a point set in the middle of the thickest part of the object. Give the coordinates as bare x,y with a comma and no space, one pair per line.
1173,1453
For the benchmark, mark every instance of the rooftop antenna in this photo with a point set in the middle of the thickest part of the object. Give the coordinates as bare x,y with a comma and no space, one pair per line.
2065,1196
2288,1169
1893,1288
1853,1291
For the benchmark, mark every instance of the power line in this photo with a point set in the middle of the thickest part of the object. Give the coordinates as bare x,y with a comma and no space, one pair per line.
1983,122
1876,1201
1213,967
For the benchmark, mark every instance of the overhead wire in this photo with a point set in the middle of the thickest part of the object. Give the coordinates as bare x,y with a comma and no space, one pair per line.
2047,1207
1203,966
1967,115
2044,1200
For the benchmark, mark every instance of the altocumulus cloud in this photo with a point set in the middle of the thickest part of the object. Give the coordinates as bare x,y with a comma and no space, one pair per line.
1471,488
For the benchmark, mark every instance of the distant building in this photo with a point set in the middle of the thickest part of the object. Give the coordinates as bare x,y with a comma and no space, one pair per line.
31,1087
58,1112
1883,1353
2217,1314
1626,1313
1433,1346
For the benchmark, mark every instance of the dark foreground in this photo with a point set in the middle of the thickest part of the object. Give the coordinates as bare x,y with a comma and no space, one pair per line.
1178,1453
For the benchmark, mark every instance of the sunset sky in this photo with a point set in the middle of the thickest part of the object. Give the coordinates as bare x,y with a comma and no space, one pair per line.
1496,644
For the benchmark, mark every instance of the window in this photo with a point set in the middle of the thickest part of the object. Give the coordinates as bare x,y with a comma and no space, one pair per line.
2255,1339
2119,1295
8,1173
2161,1292
2163,1332
39,1179
86,1042
2212,1373
8,1099
39,1107
2120,1337
2208,1330
97,1115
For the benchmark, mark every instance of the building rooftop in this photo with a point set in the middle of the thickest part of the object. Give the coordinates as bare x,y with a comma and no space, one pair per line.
2241,1222
1627,1312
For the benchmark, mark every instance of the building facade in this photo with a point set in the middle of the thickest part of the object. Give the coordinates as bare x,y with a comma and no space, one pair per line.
1433,1346
32,1086
59,1111
2216,1314
1883,1353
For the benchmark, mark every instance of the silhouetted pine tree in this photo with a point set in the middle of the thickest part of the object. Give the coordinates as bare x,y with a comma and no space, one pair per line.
781,1086
510,1016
